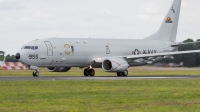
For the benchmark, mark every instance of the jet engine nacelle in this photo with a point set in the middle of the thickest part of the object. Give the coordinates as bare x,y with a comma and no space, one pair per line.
58,69
115,65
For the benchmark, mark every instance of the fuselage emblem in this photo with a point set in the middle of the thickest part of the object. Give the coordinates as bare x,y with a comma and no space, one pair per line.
172,9
107,49
67,49
136,52
168,20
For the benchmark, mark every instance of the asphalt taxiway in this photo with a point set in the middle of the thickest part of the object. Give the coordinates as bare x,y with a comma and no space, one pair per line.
95,78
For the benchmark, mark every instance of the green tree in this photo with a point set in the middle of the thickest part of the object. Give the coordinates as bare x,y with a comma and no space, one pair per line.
2,55
197,47
11,58
189,60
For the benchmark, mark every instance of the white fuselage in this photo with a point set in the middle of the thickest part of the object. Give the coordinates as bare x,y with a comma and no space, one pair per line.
80,52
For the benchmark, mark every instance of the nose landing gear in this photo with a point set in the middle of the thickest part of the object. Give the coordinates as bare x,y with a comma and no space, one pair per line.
35,73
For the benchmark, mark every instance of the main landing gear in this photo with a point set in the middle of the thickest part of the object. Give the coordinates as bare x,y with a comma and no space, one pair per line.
89,72
125,74
35,73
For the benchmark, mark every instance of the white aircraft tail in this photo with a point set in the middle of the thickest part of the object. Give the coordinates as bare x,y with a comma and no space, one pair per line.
168,29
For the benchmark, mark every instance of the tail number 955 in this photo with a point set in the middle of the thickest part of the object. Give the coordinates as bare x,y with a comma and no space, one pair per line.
33,56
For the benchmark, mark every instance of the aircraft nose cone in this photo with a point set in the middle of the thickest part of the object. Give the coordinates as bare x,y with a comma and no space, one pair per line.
17,56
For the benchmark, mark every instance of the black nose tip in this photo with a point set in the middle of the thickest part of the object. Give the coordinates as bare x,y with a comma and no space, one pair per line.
17,56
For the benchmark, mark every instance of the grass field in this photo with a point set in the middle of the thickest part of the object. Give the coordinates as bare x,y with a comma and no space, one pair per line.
134,71
163,95
91,96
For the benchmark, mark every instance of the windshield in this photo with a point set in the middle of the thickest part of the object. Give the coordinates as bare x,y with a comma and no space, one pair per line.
30,47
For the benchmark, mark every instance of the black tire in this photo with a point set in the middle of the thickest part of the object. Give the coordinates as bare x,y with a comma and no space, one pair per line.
33,74
125,73
119,74
91,72
36,74
86,72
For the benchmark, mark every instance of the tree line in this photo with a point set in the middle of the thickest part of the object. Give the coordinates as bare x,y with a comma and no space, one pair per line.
189,60
9,58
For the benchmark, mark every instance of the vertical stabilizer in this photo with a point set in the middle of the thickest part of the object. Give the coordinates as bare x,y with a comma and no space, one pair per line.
168,29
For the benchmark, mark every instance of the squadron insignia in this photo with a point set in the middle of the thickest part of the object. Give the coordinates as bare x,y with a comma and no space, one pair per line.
168,20
107,49
67,49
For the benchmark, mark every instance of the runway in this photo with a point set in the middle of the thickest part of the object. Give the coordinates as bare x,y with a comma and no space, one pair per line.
95,78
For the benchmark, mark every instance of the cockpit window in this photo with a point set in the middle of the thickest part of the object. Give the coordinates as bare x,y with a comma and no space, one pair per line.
27,47
36,47
30,47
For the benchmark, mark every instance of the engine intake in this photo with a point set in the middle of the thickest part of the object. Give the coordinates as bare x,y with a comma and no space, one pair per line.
115,65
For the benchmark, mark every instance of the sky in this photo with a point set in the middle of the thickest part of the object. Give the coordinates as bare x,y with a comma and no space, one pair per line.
22,21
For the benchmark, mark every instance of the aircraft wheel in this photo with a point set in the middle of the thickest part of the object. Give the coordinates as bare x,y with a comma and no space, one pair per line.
91,72
125,73
35,74
86,72
119,74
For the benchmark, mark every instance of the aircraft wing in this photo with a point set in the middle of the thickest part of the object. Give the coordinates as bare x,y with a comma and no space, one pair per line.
180,44
100,60
161,54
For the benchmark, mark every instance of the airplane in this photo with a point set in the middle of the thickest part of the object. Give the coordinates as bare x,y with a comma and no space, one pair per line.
112,55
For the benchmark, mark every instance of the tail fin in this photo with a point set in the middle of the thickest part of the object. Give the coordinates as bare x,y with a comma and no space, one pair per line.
168,29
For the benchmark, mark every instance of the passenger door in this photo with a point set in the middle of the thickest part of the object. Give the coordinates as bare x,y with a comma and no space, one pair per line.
48,58
49,48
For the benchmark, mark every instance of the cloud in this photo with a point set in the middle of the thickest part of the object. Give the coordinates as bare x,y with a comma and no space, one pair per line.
25,20
31,19
40,14
10,5
149,8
